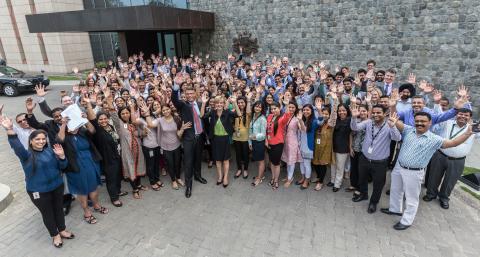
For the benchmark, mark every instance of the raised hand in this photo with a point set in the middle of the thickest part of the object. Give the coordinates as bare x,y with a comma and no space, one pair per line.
6,123
368,98
422,84
249,96
462,91
30,105
58,150
392,119
143,106
355,110
394,97
40,89
411,78
429,88
205,97
186,125
300,115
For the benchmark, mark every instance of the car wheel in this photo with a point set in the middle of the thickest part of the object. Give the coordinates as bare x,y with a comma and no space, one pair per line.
10,90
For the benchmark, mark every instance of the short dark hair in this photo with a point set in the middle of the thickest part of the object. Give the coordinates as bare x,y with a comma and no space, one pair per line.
20,114
340,74
419,97
330,76
361,71
57,109
392,70
444,98
380,71
466,110
384,110
372,61
425,114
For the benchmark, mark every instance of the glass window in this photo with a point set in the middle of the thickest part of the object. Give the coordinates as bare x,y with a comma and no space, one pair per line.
138,2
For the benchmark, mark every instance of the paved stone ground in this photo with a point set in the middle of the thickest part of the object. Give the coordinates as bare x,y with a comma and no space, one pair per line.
237,221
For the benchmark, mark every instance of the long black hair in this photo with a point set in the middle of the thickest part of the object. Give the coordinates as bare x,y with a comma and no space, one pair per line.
275,123
308,121
120,114
244,112
33,157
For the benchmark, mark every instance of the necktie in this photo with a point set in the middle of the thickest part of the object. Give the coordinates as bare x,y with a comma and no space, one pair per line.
386,89
196,120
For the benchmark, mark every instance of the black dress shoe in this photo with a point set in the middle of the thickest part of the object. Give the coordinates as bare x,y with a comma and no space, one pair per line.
428,198
400,226
335,189
188,192
372,207
201,180
219,183
387,192
225,185
387,211
444,204
330,184
359,198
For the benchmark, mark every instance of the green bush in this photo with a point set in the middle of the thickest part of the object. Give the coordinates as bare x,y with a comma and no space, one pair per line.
101,65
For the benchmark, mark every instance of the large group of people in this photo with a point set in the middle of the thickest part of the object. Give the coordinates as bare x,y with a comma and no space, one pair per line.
150,115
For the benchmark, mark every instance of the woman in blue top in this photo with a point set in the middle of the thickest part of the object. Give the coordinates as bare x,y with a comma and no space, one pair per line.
42,166
256,140
309,121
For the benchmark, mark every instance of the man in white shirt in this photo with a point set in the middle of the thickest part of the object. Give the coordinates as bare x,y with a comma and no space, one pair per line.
449,163
23,129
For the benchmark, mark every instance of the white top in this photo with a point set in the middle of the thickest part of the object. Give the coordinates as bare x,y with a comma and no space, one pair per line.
461,150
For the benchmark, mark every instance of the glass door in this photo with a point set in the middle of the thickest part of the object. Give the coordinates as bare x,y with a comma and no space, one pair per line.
170,49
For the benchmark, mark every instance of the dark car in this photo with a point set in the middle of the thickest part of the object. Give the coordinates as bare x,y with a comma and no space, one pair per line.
14,82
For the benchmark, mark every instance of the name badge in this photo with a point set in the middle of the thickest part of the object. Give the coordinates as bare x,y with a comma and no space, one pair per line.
125,126
36,195
318,141
370,150
150,153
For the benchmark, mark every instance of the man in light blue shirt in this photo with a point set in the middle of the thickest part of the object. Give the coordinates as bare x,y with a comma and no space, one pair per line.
419,144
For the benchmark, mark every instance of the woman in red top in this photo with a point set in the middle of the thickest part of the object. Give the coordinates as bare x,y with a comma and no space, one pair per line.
276,123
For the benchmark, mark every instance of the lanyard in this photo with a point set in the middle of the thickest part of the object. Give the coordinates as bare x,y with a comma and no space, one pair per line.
458,132
378,132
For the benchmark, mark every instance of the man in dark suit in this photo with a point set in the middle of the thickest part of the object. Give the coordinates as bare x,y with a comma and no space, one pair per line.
189,111
388,83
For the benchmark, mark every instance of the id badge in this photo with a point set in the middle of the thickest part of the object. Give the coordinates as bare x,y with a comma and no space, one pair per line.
370,150
125,126
150,153
36,195
318,141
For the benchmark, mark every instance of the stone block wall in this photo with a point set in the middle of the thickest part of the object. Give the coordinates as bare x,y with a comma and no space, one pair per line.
438,40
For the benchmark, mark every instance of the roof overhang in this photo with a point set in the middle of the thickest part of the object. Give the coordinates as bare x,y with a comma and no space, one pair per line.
121,19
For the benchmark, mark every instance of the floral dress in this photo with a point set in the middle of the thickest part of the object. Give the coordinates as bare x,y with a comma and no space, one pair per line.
291,149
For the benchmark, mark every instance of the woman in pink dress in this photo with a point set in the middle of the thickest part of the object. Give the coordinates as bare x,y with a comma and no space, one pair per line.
291,150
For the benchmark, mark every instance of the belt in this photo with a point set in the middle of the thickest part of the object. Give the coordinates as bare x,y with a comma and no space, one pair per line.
374,161
407,168
452,158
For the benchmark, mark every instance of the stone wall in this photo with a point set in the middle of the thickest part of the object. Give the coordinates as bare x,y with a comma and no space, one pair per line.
436,39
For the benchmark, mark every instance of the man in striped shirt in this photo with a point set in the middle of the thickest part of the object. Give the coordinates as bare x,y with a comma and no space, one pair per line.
419,144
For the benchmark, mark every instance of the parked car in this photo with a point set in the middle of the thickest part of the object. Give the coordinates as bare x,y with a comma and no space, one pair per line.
14,82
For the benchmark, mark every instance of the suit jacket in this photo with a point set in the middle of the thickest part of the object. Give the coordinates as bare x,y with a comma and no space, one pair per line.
227,118
381,86
49,125
185,111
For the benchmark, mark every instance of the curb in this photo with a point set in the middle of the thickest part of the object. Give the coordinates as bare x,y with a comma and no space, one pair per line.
6,197
465,197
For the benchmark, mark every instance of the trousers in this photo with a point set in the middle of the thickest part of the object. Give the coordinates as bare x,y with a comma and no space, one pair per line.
50,205
338,168
172,159
152,163
306,167
192,158
113,178
241,154
378,171
406,183
449,170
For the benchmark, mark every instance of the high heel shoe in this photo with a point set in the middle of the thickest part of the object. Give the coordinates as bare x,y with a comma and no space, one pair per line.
225,185
219,182
237,175
59,245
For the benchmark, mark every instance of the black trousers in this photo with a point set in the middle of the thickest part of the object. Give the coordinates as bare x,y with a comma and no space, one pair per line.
172,158
152,163
50,205
192,159
378,171
449,170
354,169
241,154
136,183
321,170
113,178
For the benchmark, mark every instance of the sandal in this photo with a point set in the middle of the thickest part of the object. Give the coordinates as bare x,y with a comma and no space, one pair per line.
101,210
305,185
117,203
124,193
175,186
136,194
157,188
275,186
257,182
272,182
318,187
160,183
59,245
90,219
72,236
142,187
180,182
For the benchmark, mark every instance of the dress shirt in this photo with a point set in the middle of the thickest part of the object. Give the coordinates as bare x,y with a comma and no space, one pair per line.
387,89
381,144
417,150
451,131
408,117
404,105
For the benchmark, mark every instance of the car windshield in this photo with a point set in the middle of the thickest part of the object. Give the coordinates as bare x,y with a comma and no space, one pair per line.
7,70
